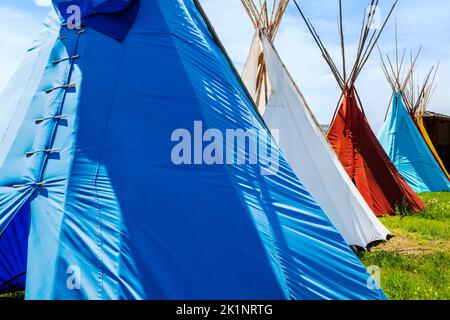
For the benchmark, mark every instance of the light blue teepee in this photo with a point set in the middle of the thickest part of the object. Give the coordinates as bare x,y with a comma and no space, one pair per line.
85,153
402,141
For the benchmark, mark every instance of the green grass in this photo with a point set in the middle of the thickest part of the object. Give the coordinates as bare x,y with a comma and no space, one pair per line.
18,295
412,276
415,264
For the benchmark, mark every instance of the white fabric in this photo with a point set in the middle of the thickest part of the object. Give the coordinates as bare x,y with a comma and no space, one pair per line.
310,155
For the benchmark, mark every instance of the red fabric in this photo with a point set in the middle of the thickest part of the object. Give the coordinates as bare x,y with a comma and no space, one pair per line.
365,161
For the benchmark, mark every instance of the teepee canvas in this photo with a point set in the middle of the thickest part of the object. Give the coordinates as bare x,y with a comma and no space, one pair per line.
401,137
351,137
300,137
86,153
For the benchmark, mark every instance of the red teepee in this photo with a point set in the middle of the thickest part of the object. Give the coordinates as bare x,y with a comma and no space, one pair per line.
350,135
365,161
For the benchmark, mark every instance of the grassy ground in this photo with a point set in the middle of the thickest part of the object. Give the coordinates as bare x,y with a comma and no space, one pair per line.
415,264
19,295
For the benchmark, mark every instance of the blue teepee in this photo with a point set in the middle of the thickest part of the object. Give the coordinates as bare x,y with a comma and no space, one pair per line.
403,142
92,205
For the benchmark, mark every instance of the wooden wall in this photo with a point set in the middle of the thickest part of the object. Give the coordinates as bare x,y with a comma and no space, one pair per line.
439,131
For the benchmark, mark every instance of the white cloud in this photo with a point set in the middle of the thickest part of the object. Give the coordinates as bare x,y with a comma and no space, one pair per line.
43,3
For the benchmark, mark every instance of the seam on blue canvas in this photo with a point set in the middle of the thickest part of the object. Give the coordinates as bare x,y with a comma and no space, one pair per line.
100,157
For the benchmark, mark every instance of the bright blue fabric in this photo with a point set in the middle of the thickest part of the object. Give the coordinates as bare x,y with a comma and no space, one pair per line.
13,252
405,146
88,7
116,208
111,17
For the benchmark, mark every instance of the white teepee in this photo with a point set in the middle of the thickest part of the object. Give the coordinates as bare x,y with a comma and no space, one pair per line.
284,108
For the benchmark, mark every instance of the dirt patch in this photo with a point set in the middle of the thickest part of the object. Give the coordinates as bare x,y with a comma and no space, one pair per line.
407,243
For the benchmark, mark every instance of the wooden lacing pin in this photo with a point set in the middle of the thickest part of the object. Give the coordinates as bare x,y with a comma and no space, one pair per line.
37,184
51,150
30,153
65,59
65,86
48,118
70,85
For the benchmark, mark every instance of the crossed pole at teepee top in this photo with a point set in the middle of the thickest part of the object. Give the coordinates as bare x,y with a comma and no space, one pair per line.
368,39
416,96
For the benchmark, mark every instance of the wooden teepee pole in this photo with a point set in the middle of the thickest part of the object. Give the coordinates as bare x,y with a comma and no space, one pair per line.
341,31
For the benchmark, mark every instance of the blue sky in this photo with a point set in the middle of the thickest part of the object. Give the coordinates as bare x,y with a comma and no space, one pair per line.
419,22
